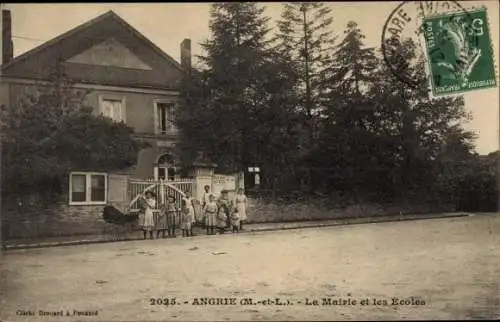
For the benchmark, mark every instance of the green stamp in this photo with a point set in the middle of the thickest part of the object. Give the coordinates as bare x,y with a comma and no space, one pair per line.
459,52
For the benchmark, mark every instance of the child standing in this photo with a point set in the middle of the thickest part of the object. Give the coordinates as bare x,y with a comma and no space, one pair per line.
146,217
227,206
188,210
185,222
222,216
171,215
205,199
210,215
161,222
235,221
242,206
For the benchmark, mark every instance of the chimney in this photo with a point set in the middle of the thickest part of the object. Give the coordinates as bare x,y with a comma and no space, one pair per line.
186,55
7,45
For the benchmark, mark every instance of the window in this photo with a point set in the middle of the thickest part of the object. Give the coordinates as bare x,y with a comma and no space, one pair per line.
165,169
166,117
87,188
253,169
255,175
113,108
166,173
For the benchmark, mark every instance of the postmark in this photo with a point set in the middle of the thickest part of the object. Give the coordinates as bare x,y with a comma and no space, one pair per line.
459,52
403,35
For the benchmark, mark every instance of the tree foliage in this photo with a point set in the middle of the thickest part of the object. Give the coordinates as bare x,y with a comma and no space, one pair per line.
303,101
304,40
221,102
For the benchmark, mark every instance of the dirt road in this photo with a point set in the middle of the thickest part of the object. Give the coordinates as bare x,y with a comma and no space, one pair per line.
433,269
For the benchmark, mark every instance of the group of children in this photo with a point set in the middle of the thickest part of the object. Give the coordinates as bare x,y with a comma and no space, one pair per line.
214,215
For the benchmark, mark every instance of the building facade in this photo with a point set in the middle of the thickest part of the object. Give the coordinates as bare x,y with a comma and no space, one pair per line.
129,79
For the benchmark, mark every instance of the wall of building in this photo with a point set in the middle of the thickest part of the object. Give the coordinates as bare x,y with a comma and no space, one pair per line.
139,115
139,106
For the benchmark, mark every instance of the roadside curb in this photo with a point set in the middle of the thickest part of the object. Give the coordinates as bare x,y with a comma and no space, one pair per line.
282,226
354,222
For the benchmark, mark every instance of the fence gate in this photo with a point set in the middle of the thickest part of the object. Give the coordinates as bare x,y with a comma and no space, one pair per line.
162,189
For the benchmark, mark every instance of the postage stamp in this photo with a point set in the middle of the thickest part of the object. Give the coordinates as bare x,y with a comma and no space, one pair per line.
406,24
459,52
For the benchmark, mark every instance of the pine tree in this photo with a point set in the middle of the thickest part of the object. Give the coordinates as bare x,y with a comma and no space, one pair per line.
349,78
305,39
419,127
234,56
276,122
349,139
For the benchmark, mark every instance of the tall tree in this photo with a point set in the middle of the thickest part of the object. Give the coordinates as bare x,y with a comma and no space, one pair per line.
349,135
276,120
419,125
354,66
305,39
234,56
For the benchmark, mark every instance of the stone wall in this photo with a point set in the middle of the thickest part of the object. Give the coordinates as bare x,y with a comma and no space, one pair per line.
265,210
20,219
24,219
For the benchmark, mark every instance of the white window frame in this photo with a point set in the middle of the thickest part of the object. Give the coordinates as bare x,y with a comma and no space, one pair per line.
156,173
88,187
157,129
157,166
255,171
108,97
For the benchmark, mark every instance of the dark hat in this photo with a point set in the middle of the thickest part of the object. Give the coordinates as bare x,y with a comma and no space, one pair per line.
150,192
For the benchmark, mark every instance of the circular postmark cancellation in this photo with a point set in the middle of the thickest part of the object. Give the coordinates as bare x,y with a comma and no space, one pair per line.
457,45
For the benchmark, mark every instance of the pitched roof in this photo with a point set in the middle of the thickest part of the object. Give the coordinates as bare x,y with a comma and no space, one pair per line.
88,32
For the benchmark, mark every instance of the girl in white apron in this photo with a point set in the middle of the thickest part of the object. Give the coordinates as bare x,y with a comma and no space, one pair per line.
188,217
147,221
241,205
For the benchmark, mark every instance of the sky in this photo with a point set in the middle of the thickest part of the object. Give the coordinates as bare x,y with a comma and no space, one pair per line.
167,24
